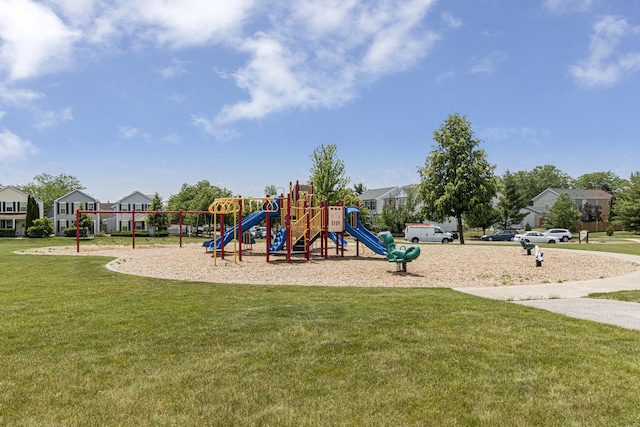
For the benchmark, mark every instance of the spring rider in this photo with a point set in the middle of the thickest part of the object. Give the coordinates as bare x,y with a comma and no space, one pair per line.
400,256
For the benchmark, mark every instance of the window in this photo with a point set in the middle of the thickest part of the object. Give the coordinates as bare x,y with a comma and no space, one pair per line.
62,224
8,207
63,208
138,206
124,225
370,204
139,225
23,206
91,206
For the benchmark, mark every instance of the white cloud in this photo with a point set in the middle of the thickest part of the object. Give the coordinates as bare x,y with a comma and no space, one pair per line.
451,20
317,55
47,119
308,54
185,23
176,68
568,6
487,64
17,97
12,147
130,132
605,64
33,40
218,132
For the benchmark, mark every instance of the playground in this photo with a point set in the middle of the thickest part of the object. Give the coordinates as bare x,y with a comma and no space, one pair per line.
450,266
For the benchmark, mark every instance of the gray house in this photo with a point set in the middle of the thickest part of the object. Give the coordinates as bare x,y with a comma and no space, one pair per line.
581,198
135,201
65,207
376,199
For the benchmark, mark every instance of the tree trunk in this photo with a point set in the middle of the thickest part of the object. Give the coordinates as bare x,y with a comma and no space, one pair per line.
460,234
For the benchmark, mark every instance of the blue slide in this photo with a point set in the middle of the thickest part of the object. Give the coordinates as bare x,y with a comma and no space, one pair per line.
369,239
247,222
337,239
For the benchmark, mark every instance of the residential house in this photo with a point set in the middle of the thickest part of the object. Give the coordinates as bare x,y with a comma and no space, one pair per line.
376,199
596,199
135,201
13,209
65,207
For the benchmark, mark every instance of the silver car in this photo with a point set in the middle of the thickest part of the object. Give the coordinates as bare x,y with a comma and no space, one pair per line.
535,237
561,233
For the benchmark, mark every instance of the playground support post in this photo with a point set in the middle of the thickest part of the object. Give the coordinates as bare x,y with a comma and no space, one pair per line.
288,227
307,233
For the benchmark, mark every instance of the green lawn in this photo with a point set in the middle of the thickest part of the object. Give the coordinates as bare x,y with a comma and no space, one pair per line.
81,345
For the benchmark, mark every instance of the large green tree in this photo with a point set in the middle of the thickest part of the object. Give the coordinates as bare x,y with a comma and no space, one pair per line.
270,190
456,176
48,188
511,201
195,197
482,216
328,175
159,221
607,181
534,182
628,204
563,214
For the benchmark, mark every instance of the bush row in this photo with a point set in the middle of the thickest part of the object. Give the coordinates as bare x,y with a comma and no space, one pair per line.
7,232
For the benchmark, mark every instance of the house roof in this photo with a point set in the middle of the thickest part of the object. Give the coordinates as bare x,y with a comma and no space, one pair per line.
77,191
135,192
600,194
11,187
576,194
376,193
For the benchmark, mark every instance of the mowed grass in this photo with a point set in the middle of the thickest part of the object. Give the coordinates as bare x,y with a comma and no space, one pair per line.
81,345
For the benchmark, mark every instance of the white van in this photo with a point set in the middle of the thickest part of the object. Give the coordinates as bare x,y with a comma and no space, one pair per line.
426,233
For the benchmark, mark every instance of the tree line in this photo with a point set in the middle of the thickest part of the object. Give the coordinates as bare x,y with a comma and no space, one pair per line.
456,181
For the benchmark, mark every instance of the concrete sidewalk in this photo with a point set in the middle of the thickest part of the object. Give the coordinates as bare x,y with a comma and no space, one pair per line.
568,298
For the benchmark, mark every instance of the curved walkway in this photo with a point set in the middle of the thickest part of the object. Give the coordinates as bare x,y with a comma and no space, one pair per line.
569,298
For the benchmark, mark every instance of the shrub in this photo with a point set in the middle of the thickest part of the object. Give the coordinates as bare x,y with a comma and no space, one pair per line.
40,228
610,230
71,232
7,232
160,233
527,227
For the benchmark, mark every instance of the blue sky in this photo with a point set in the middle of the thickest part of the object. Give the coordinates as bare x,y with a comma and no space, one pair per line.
148,95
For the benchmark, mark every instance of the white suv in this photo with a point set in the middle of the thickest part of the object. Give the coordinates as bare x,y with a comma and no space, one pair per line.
561,233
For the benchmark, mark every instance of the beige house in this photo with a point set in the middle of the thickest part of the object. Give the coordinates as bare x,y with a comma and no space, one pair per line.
13,209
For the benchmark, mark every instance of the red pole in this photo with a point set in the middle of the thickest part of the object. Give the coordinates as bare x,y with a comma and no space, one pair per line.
326,229
307,233
221,236
133,229
180,225
268,232
342,240
77,231
288,228
240,227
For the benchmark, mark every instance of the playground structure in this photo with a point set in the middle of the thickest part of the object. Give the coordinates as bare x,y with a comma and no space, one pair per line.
296,222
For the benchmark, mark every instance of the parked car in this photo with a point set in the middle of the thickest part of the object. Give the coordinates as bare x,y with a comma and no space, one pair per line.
561,233
426,233
502,235
536,237
258,232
